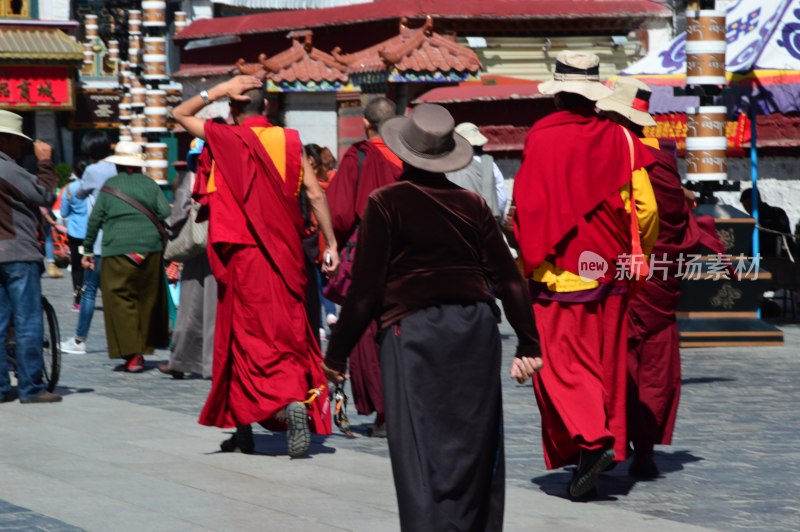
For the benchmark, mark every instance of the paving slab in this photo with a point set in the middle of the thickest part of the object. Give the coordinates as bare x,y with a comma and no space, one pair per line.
124,452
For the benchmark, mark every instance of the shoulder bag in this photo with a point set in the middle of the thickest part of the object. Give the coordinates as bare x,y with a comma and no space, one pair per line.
190,241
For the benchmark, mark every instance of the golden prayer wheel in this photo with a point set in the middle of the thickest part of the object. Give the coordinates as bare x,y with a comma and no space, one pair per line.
155,13
155,66
706,121
705,63
705,25
156,119
706,158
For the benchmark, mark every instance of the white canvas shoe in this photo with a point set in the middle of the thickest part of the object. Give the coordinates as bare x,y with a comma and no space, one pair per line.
73,347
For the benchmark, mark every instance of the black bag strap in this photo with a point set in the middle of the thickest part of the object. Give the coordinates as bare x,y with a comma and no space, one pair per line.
141,208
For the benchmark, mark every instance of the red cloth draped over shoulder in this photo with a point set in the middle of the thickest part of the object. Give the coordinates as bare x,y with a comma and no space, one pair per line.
573,160
348,192
258,187
265,352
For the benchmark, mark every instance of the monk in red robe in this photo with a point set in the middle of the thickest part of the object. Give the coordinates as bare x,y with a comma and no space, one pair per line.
365,167
267,363
575,229
654,364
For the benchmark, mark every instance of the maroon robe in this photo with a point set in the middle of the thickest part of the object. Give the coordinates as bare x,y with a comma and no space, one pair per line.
265,354
347,197
654,366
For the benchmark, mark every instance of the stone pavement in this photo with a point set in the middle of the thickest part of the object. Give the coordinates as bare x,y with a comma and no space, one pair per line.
124,452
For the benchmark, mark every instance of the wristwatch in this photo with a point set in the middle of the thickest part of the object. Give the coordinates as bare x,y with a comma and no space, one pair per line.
204,96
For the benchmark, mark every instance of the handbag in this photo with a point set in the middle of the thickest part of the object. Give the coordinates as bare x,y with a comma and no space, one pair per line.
190,241
162,232
339,284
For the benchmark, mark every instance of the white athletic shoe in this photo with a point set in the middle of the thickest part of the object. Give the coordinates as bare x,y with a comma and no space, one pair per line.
73,347
322,334
331,319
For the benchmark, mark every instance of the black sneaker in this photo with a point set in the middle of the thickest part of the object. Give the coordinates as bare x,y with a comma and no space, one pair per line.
644,467
377,431
591,464
299,434
44,397
242,441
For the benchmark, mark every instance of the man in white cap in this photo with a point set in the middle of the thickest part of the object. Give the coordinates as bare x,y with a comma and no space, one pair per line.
654,364
573,198
482,175
21,195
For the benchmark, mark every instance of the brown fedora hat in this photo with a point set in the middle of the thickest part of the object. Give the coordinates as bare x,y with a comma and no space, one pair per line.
427,140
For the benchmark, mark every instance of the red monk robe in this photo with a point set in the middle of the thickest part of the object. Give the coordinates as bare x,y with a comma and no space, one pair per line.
265,354
567,194
347,198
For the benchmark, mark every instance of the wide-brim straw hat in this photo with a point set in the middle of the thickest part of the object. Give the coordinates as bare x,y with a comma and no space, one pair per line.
470,131
11,124
631,99
427,140
127,154
578,73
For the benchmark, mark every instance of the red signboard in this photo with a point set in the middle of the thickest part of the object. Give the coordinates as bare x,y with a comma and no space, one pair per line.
34,87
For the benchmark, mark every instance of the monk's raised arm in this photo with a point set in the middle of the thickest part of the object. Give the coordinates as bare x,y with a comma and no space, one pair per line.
233,88
319,204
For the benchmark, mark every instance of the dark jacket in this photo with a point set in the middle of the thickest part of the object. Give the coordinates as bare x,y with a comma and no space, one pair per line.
21,195
425,241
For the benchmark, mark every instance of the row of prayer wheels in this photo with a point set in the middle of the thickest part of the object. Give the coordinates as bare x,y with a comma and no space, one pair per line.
142,110
154,104
706,142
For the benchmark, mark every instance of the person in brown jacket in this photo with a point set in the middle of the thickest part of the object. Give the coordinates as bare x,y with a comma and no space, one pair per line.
21,195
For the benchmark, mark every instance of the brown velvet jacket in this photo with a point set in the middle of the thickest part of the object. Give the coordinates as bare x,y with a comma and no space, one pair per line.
425,241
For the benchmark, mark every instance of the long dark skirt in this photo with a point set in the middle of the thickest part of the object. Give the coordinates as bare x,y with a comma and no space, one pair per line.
134,305
441,383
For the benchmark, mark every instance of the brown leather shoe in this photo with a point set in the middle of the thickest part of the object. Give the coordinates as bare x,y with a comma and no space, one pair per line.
164,368
44,397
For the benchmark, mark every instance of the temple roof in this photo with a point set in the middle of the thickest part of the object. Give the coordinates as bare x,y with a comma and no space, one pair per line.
413,50
301,64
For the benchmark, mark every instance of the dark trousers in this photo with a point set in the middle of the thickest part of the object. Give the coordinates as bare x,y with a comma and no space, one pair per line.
441,382
77,269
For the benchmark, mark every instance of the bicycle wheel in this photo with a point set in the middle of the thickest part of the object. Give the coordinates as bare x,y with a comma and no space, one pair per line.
52,346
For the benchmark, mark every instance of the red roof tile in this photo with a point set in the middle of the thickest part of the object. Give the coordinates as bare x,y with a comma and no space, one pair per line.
504,138
191,70
413,50
418,9
301,62
474,92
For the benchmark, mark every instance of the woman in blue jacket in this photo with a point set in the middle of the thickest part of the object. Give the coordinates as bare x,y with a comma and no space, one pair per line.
76,212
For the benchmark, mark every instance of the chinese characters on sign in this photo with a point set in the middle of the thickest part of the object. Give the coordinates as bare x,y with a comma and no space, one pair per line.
42,87
691,266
